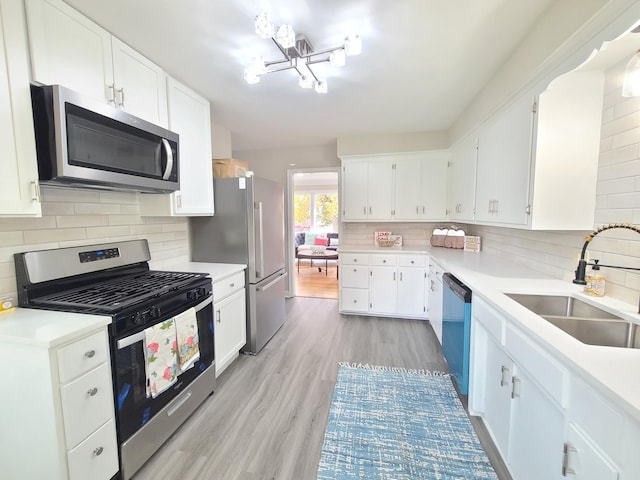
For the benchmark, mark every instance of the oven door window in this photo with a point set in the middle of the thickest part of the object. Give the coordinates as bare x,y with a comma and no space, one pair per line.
133,407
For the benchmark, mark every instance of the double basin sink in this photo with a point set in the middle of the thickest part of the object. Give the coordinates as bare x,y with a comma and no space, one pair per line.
584,322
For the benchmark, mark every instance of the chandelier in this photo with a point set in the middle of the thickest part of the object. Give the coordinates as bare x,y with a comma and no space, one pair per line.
298,54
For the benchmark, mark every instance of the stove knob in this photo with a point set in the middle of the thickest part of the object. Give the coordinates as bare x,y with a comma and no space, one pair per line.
202,291
154,312
138,319
192,294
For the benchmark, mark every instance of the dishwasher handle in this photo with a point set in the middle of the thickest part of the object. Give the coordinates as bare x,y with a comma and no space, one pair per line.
457,287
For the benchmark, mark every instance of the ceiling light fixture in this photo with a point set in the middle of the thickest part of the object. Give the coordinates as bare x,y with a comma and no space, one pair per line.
298,54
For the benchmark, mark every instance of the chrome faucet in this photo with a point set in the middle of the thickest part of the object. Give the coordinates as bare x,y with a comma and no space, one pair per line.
582,263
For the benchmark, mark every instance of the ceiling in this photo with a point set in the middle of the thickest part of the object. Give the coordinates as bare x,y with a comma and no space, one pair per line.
422,61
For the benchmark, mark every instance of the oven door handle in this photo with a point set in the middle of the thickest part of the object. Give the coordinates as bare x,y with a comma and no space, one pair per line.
139,337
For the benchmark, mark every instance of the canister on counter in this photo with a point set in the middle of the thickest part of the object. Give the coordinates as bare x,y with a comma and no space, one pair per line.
595,285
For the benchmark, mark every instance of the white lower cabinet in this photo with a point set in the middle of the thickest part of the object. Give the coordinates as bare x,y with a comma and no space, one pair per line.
434,297
519,391
59,419
545,420
584,460
354,282
230,318
383,284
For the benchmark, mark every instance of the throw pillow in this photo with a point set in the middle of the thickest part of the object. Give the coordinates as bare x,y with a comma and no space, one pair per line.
333,242
310,238
321,241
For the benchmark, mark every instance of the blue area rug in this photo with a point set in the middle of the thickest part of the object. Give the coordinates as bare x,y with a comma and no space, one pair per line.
396,424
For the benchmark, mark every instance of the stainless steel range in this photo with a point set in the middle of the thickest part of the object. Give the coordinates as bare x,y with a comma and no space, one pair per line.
114,279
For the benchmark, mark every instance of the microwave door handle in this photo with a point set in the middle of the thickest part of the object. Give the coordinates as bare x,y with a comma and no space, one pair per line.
169,153
260,239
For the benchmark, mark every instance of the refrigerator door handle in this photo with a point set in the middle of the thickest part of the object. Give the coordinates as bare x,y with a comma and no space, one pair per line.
260,237
272,283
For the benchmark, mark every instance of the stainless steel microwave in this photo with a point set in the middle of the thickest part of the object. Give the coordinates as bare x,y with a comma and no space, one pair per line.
82,142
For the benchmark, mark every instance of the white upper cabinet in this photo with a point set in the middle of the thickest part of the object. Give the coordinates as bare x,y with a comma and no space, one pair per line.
69,49
395,187
461,189
504,152
420,186
140,85
189,117
367,188
538,158
19,194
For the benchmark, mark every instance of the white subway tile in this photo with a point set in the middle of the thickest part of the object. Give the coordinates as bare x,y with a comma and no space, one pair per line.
68,221
54,235
96,209
106,232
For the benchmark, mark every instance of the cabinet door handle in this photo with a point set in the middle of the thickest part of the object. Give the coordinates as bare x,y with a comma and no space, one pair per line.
417,209
369,210
121,92
504,376
218,316
364,211
400,276
515,387
90,354
92,392
231,285
98,451
112,93
394,276
35,191
423,209
567,449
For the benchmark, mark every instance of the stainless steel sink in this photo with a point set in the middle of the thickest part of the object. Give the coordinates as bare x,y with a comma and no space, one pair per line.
584,322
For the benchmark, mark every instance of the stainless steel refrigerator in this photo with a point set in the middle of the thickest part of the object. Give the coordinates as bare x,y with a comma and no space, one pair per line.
248,227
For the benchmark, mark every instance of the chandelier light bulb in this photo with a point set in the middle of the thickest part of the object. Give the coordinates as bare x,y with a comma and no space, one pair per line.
631,85
264,26
286,37
338,57
352,45
254,70
306,81
321,86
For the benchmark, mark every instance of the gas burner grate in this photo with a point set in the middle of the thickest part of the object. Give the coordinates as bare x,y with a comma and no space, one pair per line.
118,293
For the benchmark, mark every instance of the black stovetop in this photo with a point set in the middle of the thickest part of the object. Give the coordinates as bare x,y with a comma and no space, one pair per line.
119,293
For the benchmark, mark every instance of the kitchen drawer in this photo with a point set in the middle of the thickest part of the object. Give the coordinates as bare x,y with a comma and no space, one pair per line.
539,365
492,322
354,299
435,268
97,457
386,260
354,276
87,403
83,355
354,259
412,260
227,286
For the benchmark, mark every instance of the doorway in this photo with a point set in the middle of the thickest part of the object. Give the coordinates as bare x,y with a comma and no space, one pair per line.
314,232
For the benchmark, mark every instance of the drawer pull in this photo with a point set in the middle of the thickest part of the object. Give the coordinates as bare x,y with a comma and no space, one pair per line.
231,285
92,392
90,354
98,451
218,318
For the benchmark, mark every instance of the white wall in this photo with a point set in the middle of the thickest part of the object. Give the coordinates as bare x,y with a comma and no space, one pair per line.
73,217
274,163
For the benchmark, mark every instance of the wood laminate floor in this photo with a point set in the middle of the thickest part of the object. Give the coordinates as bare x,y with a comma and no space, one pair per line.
267,417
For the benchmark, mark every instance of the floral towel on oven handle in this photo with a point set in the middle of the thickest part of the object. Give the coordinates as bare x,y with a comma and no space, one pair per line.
188,342
161,357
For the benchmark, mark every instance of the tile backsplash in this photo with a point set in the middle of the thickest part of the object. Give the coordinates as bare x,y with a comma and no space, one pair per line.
72,217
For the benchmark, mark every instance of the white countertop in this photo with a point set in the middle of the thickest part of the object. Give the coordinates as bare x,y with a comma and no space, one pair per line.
217,271
46,328
613,371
